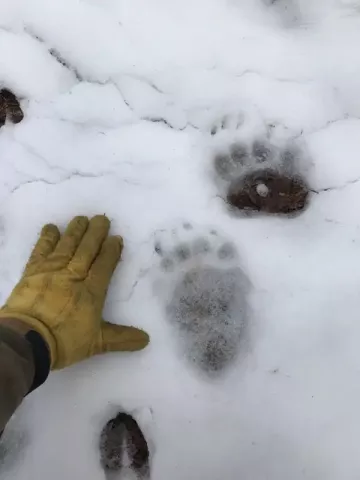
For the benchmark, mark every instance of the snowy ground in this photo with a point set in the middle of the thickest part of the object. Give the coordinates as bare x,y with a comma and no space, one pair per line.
119,98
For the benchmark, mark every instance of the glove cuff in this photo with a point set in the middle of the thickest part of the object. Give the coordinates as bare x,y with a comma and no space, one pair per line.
24,325
41,357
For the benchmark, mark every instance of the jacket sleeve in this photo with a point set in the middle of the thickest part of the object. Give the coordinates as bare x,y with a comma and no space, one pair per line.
16,372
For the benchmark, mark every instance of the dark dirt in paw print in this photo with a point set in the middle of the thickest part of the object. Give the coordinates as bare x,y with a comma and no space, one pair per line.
9,107
123,445
262,178
268,191
206,298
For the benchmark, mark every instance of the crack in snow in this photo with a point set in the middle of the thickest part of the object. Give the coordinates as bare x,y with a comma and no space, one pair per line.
164,122
127,103
65,175
154,119
336,187
142,274
57,182
31,150
276,79
328,124
148,82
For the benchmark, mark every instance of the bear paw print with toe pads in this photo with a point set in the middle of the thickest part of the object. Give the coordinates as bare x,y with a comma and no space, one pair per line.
256,167
261,177
204,292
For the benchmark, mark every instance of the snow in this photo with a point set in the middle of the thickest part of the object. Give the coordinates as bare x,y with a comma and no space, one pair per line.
120,98
262,190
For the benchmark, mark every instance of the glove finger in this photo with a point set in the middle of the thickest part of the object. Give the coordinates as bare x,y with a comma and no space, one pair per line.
45,245
102,269
118,338
90,245
68,243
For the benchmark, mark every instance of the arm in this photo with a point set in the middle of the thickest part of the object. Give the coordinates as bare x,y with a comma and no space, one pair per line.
16,372
24,365
53,317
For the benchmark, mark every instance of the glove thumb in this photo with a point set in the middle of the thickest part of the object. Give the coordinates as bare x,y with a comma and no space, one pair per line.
118,338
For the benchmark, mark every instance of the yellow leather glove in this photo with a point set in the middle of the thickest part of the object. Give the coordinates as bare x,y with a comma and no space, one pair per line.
62,292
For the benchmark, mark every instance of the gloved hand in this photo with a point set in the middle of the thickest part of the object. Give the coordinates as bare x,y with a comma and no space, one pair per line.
62,292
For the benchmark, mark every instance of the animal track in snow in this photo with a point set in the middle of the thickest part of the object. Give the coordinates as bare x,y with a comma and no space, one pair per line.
123,447
227,122
205,294
258,175
9,107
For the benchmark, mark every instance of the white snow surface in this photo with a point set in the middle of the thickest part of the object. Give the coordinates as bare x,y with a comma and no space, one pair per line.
124,129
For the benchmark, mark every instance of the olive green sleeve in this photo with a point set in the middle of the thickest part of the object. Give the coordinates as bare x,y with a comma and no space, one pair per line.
16,372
